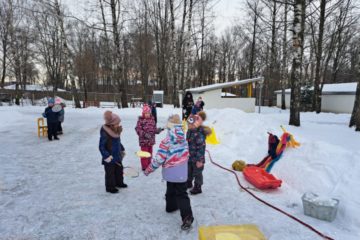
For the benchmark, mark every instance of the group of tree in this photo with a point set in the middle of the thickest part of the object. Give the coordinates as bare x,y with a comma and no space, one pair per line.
119,46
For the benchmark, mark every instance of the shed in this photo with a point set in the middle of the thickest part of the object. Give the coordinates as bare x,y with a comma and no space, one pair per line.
336,98
214,97
158,98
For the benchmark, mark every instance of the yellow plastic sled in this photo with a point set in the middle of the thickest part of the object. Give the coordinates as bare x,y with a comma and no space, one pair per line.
212,138
231,232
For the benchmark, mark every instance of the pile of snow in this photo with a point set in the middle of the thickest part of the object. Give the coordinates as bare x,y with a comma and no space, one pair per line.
332,88
53,190
34,87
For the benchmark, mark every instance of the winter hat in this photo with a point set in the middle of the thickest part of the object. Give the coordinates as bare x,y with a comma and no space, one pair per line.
58,100
111,118
51,101
202,114
146,109
173,120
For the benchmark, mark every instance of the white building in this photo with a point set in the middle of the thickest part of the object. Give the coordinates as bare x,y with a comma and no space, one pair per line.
214,97
336,98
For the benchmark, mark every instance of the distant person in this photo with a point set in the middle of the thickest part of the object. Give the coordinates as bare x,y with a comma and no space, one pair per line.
153,110
52,119
173,156
187,104
198,107
61,118
146,130
112,152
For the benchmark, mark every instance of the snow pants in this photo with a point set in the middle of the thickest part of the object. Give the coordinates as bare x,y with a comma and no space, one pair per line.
195,173
59,129
177,198
52,130
146,161
114,175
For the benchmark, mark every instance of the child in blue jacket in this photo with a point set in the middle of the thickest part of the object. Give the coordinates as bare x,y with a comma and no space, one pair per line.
112,152
52,119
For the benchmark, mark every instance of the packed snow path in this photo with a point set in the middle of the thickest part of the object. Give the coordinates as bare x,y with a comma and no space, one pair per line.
55,190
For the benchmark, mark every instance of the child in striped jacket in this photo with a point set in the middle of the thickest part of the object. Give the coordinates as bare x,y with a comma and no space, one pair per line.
173,156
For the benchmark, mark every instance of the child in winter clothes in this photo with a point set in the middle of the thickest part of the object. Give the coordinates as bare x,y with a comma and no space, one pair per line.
52,119
146,130
196,138
61,119
173,156
112,152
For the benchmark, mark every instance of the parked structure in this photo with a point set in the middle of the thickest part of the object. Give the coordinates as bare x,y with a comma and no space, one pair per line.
213,95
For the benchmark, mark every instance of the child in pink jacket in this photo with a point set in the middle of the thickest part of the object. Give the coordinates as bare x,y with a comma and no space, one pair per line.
146,130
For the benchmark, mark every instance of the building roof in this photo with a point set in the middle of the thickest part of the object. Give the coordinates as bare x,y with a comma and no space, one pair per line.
224,85
335,89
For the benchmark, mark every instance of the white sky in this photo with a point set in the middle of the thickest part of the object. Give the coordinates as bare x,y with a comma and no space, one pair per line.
226,11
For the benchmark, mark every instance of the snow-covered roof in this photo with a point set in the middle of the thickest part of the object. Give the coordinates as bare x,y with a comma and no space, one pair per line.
158,92
34,87
226,94
335,88
224,85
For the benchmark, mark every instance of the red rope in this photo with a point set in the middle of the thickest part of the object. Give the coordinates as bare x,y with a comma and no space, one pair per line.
268,204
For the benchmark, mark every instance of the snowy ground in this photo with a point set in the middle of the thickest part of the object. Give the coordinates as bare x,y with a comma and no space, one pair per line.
55,190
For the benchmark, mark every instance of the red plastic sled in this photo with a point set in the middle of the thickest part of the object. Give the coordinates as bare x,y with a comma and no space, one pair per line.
260,178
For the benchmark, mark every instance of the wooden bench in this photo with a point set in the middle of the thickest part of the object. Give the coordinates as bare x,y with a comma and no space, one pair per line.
42,128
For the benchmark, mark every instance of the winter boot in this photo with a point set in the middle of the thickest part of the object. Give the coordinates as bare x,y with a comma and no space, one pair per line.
189,184
56,138
112,190
187,223
196,190
122,185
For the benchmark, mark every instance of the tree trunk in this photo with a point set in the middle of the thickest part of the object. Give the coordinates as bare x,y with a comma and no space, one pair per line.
173,55
122,87
181,53
253,44
69,67
188,50
284,60
272,77
355,116
298,37
317,90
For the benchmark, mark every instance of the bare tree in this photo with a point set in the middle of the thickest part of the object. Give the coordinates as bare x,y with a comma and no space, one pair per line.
298,44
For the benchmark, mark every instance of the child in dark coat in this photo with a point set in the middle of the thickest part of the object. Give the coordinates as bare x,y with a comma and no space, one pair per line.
112,152
146,130
196,137
173,155
52,119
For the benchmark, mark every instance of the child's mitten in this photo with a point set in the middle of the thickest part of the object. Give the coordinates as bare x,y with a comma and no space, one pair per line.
108,160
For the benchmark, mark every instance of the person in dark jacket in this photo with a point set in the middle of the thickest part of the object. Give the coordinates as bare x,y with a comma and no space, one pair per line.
52,119
153,110
112,152
196,138
187,104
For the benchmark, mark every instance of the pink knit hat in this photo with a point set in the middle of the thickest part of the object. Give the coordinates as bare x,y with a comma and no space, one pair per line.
146,109
111,118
